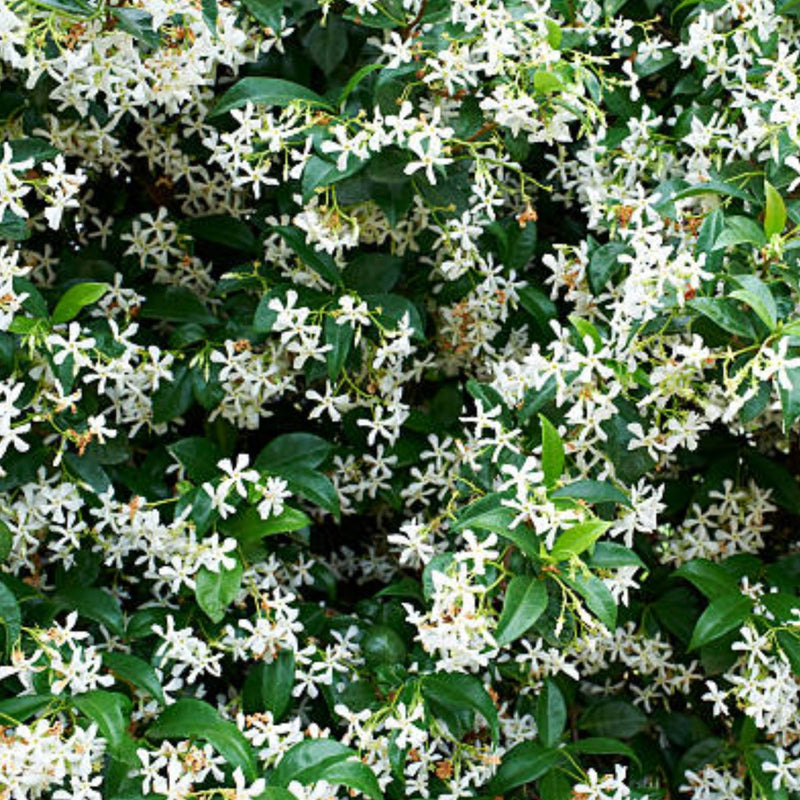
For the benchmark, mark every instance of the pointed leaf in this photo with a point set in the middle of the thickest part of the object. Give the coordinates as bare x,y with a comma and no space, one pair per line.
525,600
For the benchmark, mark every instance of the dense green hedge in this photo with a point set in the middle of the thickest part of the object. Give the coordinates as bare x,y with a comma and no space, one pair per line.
399,398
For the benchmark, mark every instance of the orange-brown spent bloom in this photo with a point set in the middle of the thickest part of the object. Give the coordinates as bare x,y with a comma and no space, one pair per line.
528,215
444,769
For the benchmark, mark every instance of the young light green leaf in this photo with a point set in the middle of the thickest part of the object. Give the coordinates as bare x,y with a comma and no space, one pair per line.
552,452
75,298
775,211
580,537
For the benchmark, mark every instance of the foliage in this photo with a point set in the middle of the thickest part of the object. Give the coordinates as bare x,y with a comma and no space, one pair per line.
399,399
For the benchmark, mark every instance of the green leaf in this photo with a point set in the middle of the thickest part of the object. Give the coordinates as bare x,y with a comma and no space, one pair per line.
613,718
314,486
320,173
458,690
15,710
138,23
173,398
592,492
538,305
32,148
327,43
490,514
597,595
10,616
726,313
190,718
136,671
210,15
266,92
248,527
740,230
551,714
775,211
611,555
552,452
373,272
758,296
215,591
111,711
525,601
355,775
198,456
340,337
267,12
580,537
356,78
604,264
6,541
321,263
76,298
175,304
303,761
293,450
790,645
94,604
523,763
724,614
221,229
546,82
710,578
603,746
274,681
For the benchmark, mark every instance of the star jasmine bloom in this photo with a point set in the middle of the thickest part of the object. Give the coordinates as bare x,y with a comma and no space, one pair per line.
427,158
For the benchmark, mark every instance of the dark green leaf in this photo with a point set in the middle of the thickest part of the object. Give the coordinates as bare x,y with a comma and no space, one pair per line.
340,337
306,759
710,578
94,604
293,450
314,486
138,23
613,718
551,714
462,691
10,616
592,492
136,671
724,614
523,763
190,718
111,711
525,600
198,456
266,92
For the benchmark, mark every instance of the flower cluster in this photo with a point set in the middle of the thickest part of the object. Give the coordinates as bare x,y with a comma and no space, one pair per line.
399,398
